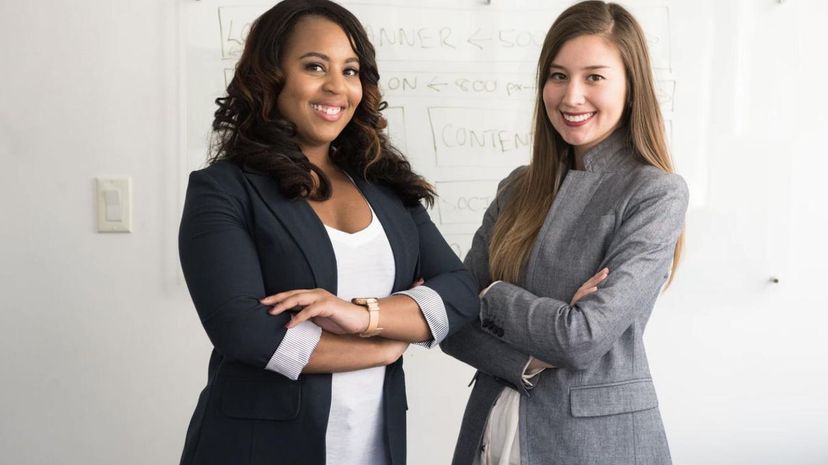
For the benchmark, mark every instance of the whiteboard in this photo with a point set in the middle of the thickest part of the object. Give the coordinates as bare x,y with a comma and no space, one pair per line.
459,80
735,84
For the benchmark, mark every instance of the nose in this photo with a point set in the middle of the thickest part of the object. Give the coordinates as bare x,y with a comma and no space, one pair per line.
334,83
574,95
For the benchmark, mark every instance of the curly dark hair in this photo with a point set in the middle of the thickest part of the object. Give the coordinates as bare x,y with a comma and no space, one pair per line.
248,129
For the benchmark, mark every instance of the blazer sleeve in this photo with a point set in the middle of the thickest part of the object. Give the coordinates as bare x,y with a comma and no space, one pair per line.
221,267
638,257
444,274
472,345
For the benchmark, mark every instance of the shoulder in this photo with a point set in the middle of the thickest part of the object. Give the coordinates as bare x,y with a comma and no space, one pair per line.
221,183
634,177
510,181
650,180
224,171
222,175
508,184
651,189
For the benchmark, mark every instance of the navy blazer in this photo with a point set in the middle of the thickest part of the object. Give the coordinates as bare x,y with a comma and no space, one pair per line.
240,240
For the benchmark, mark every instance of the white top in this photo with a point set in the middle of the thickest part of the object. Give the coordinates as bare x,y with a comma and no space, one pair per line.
501,440
364,267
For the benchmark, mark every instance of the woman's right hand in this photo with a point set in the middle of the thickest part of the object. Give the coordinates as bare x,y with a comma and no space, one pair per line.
590,286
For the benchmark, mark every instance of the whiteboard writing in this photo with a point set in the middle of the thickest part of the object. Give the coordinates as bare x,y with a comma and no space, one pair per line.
470,136
463,202
460,81
469,85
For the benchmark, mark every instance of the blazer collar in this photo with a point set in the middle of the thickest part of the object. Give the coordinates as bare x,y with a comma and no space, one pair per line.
612,153
307,230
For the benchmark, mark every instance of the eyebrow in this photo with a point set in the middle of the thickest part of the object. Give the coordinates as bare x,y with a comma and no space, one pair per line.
587,68
327,58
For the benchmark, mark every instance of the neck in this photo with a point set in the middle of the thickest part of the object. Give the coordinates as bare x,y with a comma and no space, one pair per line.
319,156
579,157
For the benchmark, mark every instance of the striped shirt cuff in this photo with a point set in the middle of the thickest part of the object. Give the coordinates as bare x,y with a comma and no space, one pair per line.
295,350
434,311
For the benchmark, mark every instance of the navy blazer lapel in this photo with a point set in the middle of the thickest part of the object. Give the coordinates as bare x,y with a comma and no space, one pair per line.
389,216
304,227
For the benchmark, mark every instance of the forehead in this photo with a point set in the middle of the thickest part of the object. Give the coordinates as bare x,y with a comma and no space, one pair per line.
318,34
588,50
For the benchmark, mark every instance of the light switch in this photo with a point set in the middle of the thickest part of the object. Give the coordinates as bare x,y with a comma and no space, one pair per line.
114,205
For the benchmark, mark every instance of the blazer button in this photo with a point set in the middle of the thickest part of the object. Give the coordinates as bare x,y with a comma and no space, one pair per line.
486,323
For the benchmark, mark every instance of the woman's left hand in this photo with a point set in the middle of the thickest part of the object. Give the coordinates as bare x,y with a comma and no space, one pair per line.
325,309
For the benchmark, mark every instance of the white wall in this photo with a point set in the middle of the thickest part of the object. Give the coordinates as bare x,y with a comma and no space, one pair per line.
101,353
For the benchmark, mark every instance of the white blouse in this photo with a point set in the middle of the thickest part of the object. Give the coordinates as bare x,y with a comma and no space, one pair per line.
365,267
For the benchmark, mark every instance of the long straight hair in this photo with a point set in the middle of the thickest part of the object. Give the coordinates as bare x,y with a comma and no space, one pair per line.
533,190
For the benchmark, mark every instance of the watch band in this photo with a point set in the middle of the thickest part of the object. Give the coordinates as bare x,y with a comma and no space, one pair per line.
372,305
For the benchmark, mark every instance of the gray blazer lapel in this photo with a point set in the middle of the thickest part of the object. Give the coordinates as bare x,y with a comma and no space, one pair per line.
575,194
304,227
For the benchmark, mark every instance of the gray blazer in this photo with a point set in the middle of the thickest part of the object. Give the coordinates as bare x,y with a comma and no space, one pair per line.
599,406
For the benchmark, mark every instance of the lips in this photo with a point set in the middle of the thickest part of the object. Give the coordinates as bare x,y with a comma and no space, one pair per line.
328,112
577,119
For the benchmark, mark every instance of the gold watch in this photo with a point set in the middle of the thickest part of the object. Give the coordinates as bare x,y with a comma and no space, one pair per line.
372,305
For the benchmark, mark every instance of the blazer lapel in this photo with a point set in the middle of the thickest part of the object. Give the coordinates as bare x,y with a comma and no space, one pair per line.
304,227
574,195
389,215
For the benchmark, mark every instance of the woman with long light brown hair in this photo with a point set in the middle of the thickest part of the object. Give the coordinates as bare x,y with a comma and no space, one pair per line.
571,257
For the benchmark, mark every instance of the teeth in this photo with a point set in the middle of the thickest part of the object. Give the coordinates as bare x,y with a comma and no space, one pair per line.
578,118
326,109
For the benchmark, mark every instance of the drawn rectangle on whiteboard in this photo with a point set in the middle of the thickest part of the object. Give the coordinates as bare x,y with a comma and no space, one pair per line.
665,91
480,136
234,24
459,243
228,76
396,127
464,202
655,21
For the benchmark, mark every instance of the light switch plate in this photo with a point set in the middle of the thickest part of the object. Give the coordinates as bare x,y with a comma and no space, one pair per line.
114,204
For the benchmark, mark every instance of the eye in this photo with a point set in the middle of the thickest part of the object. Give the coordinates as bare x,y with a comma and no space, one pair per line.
351,72
556,76
314,67
595,78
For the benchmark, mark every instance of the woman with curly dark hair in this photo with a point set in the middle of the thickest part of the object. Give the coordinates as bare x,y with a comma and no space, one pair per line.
302,244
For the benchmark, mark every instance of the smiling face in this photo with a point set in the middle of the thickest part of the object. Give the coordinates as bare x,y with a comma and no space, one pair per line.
585,91
322,88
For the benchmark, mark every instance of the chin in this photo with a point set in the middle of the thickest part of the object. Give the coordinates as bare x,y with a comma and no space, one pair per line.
573,140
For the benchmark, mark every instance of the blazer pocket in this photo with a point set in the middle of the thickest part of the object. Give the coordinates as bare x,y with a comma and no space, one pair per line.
261,400
613,398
